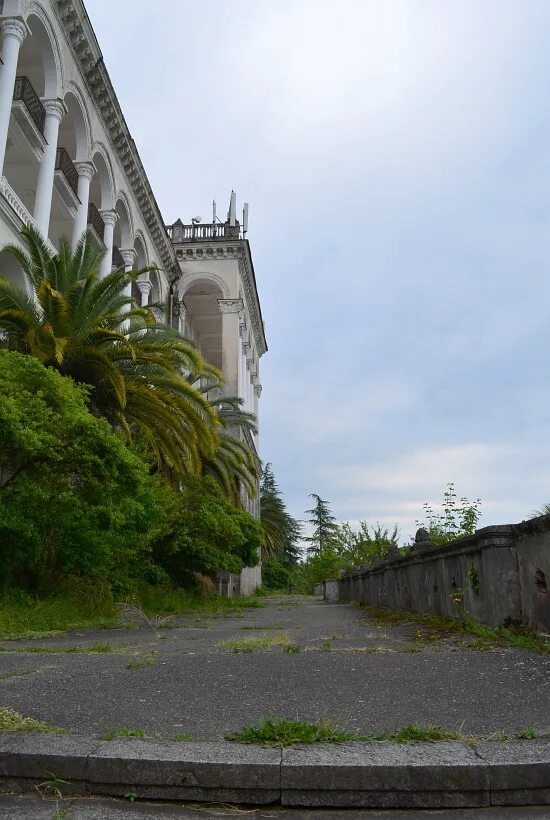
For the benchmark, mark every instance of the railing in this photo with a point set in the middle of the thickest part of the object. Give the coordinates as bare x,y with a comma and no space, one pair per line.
95,220
199,233
118,259
7,192
64,163
24,92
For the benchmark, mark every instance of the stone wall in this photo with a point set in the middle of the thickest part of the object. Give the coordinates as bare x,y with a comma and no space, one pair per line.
233,585
499,576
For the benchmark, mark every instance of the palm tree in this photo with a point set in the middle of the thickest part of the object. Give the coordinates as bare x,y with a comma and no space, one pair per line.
140,372
234,464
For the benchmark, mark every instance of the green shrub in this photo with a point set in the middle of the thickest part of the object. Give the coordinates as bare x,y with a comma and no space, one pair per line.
274,575
74,499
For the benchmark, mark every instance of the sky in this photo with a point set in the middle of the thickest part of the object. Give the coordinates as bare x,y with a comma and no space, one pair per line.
396,158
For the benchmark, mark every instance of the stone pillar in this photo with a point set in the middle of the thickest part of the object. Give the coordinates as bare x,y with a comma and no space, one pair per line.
55,109
13,33
145,288
180,312
231,343
129,255
86,170
109,217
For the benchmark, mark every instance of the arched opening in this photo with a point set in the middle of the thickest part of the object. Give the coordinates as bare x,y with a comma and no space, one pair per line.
141,262
101,197
203,319
122,238
37,77
72,146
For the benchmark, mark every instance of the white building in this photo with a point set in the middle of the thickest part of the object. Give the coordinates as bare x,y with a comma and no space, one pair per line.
68,163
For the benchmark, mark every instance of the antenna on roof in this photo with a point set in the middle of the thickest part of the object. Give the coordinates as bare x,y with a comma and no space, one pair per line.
213,212
245,218
232,209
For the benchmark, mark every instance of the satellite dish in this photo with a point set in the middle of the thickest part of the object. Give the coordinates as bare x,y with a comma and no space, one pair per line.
196,220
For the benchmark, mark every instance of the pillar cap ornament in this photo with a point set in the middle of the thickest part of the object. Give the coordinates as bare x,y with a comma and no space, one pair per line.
85,169
109,216
129,255
15,27
55,108
145,286
230,305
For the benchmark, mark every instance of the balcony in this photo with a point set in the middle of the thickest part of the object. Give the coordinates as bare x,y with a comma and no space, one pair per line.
96,223
29,114
16,213
118,259
66,180
178,232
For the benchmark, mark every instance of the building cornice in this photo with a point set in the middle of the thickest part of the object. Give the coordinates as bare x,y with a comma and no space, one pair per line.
232,249
87,54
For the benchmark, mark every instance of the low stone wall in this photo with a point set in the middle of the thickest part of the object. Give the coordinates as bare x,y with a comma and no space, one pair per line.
231,585
499,576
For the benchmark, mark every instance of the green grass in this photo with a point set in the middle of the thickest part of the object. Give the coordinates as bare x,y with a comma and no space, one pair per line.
281,732
58,650
23,616
142,661
253,644
182,736
122,731
11,721
436,628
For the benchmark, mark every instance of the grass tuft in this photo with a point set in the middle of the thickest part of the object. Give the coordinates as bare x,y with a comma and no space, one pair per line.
282,733
122,731
253,644
11,721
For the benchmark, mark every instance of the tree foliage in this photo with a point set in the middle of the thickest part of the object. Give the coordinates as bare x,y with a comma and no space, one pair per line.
456,519
76,500
281,532
323,523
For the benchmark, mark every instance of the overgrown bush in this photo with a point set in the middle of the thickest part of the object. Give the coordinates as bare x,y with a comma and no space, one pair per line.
457,519
73,498
80,510
275,575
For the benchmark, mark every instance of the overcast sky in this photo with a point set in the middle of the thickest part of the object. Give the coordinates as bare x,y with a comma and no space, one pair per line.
396,158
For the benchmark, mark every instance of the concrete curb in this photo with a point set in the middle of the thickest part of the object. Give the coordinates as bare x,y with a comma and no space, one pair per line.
367,775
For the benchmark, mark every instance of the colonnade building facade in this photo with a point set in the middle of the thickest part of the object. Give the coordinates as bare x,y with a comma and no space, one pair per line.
68,164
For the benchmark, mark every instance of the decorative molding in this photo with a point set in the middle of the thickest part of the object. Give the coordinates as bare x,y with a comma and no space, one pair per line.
129,255
109,216
230,305
239,249
55,108
14,27
258,390
85,169
81,38
188,279
19,210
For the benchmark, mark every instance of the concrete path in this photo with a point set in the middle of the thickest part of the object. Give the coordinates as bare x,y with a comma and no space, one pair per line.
364,675
25,807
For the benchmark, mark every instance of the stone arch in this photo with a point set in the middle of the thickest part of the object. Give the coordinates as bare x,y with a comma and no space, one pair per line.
203,318
40,53
140,248
75,131
102,189
123,236
188,280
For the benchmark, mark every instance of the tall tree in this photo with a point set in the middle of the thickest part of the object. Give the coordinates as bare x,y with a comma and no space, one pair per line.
281,532
323,523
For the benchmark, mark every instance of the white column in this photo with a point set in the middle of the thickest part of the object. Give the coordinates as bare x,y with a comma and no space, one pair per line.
55,109
145,288
86,170
13,34
129,255
231,343
109,217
